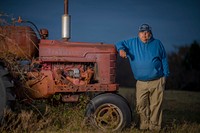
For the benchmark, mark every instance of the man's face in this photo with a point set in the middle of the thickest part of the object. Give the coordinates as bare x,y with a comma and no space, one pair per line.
144,36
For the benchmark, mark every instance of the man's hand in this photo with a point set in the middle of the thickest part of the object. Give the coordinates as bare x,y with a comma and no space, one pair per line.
122,53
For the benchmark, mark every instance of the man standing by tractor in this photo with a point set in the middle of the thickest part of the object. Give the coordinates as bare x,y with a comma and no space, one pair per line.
149,65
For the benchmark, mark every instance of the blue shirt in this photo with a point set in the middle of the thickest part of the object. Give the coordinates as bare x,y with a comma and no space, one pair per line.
148,60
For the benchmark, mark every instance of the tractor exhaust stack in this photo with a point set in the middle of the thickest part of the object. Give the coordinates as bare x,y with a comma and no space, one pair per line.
65,22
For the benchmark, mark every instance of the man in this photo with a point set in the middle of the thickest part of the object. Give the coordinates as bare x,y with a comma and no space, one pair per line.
149,65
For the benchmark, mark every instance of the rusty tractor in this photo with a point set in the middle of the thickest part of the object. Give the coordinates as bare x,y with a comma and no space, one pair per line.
50,67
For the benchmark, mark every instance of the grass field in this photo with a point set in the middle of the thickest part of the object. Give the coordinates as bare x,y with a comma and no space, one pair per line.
181,114
181,110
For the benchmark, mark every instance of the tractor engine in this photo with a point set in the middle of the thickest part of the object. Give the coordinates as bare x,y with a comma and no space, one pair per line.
77,74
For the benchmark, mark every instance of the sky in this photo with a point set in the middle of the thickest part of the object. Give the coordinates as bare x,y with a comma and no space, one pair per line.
174,22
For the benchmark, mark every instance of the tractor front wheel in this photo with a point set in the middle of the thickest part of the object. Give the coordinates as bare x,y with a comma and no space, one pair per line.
109,112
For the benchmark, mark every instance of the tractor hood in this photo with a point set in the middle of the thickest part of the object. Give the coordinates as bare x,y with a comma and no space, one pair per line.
54,50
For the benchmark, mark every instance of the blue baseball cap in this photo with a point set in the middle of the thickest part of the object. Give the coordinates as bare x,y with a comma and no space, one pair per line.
144,27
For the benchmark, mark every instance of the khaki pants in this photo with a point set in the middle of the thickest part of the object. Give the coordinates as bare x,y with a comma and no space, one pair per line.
149,97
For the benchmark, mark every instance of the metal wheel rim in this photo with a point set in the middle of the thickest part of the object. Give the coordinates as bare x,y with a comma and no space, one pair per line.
108,117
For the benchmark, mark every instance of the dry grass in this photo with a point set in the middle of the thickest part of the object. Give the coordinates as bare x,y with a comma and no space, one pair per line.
181,115
181,110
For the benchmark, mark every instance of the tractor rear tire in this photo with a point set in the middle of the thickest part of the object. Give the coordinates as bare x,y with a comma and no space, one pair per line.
5,90
108,112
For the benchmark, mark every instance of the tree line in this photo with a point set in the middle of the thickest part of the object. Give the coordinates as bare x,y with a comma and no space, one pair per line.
184,66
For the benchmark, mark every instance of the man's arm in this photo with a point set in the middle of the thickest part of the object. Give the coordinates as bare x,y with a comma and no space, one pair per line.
121,46
164,62
165,67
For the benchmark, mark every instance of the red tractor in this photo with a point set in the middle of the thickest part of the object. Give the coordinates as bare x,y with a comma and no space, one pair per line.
51,67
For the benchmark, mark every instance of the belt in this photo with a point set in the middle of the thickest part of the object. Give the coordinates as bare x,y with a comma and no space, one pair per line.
150,79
